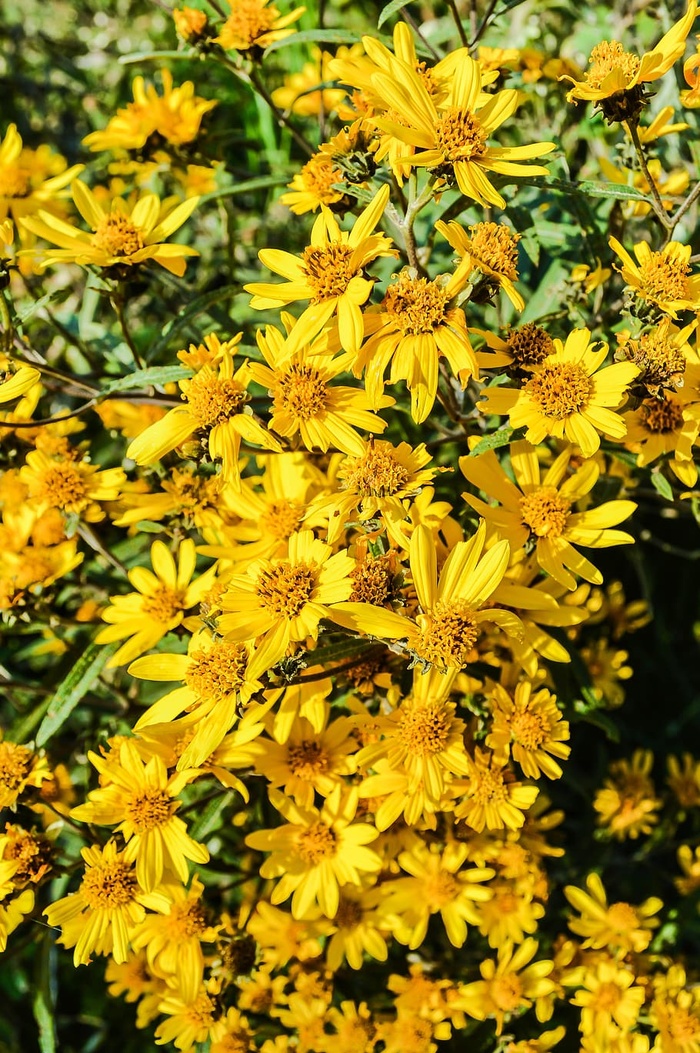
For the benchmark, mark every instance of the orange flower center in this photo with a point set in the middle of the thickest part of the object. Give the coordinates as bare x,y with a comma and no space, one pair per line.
15,763
186,921
109,886
494,247
218,671
189,23
328,269
349,914
529,728
163,604
664,277
281,519
378,473
660,361
316,844
62,486
607,56
439,889
416,305
285,589
560,389
212,399
117,236
622,917
372,581
424,728
683,1027
307,759
302,392
487,786
448,635
530,345
192,493
459,136
506,992
318,176
15,181
662,415
545,512
607,998
148,809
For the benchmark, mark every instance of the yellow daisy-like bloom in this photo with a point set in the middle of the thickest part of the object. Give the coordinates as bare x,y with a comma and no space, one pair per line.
30,179
313,185
12,914
215,411
283,600
101,917
493,800
627,805
667,425
441,884
158,605
71,485
329,273
615,78
316,852
530,727
173,939
445,634
357,929
608,996
684,779
508,985
663,355
142,799
255,24
618,926
20,768
512,911
187,495
663,278
675,1013
415,326
537,510
16,379
568,396
306,402
190,1022
121,237
543,1044
381,481
452,137
191,24
175,117
491,249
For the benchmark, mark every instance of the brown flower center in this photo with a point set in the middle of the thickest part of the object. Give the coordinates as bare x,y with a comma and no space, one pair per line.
117,236
459,136
378,473
149,808
302,392
285,589
30,851
530,345
560,389
109,886
307,759
163,604
349,914
328,270
662,415
661,363
218,671
316,844
545,512
416,305
373,581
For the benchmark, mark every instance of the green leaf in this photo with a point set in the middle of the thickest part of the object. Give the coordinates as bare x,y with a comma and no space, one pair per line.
25,315
339,652
662,485
44,998
245,186
154,376
585,188
492,442
391,9
547,296
210,816
76,685
196,307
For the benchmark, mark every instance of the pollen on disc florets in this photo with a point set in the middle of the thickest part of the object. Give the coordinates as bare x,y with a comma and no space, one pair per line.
660,362
62,486
109,885
186,921
416,305
117,235
607,56
15,763
328,269
664,276
496,247
545,512
307,759
529,345
373,581
212,399
149,808
448,635
560,389
377,473
460,136
316,843
529,728
248,21
302,392
319,176
424,728
218,671
662,415
15,181
506,992
284,589
163,604
281,519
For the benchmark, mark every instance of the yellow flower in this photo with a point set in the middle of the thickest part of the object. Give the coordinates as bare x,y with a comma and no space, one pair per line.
667,425
16,379
357,929
281,937
493,800
661,278
304,399
174,117
142,800
627,805
508,985
101,917
158,605
330,273
445,634
675,1013
511,912
538,511
543,1044
253,24
215,411
491,249
12,912
283,600
615,78
315,853
71,485
20,768
619,926
191,1021
122,236
609,999
530,726
452,136
313,185
684,780
439,883
191,24
568,396
31,179
416,325
663,355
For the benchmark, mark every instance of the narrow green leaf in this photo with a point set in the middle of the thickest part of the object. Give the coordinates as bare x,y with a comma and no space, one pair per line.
339,652
44,998
547,296
391,9
662,485
245,186
154,376
80,679
198,306
492,442
25,315
143,56
210,816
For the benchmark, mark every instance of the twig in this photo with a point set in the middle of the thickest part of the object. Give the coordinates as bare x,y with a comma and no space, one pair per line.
656,203
683,208
118,303
410,20
483,25
458,21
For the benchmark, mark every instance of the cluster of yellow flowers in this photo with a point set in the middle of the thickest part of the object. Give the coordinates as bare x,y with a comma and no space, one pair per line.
377,649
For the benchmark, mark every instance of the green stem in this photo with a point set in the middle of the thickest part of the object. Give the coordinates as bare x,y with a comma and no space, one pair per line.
119,303
8,330
458,21
656,203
